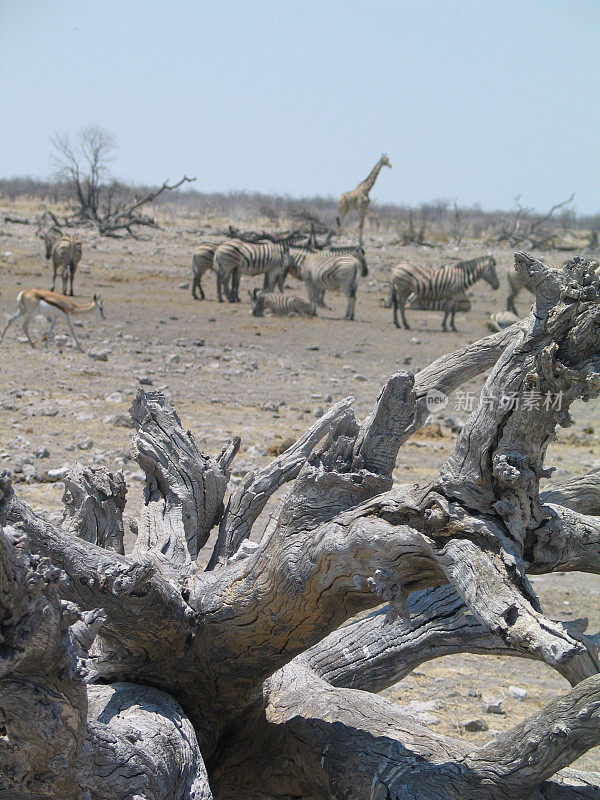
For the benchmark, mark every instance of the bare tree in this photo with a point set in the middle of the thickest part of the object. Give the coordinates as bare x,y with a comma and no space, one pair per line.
527,229
142,677
99,199
84,165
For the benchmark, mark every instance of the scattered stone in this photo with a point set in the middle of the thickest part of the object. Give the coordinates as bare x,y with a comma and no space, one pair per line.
172,358
198,342
314,347
256,450
517,692
328,398
53,475
414,340
318,412
360,377
271,406
115,397
492,705
145,380
183,286
42,452
99,355
475,725
49,412
85,444
119,420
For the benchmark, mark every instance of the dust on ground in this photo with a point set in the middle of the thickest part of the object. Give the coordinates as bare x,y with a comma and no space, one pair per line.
265,379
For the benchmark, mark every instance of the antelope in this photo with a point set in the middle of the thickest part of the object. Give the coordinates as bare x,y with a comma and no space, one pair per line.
53,306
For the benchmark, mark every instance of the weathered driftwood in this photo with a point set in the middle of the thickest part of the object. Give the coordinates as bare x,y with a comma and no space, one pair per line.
581,493
126,679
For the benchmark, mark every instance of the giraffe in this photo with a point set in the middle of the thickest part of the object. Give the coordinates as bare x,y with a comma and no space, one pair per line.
358,198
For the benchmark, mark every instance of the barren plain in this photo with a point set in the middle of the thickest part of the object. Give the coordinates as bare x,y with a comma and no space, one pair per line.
265,379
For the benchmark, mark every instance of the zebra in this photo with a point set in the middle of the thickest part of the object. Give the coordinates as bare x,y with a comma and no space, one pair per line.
281,303
355,250
515,284
444,283
235,257
59,248
463,303
203,260
500,320
65,251
323,270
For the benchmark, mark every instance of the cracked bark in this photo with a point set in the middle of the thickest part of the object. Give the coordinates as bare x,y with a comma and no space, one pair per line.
246,667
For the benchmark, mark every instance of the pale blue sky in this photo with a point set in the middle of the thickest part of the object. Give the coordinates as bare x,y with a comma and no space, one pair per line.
477,101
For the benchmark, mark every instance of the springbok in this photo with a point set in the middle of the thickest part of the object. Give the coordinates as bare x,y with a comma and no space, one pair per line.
53,306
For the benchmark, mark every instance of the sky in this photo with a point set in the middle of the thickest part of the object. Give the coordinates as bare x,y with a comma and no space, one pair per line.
477,100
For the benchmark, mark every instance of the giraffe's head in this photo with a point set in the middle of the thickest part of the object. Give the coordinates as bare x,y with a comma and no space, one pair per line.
385,162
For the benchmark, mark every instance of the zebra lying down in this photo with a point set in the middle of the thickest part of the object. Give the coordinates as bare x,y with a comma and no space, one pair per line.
281,303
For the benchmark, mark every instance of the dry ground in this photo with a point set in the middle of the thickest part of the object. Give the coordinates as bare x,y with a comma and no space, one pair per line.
227,372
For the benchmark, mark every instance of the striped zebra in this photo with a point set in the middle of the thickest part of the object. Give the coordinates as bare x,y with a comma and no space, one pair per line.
417,303
281,304
202,260
322,270
444,283
236,257
355,250
65,252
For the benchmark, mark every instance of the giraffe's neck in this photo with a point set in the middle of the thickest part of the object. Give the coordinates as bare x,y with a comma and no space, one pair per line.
369,181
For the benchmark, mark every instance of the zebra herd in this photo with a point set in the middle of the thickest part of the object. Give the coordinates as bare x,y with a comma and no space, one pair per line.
334,268
337,268
320,270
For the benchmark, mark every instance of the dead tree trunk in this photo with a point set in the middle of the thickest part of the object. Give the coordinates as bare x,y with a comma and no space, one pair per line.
140,676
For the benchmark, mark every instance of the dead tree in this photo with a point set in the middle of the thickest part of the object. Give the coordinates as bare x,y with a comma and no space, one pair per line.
141,676
522,230
101,202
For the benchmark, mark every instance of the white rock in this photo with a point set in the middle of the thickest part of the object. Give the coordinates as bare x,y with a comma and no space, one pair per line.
517,692
115,397
59,472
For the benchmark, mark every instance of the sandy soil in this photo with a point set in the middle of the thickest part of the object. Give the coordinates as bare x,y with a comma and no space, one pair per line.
227,373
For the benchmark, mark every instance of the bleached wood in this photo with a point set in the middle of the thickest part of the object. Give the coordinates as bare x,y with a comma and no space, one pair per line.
226,649
94,501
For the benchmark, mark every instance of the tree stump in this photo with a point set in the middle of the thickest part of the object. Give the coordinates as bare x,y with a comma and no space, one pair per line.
141,676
